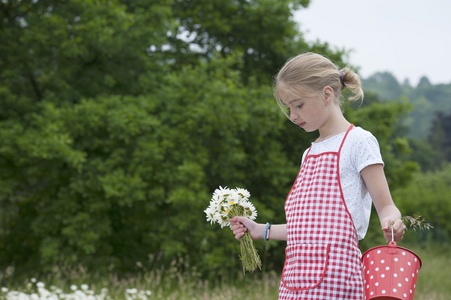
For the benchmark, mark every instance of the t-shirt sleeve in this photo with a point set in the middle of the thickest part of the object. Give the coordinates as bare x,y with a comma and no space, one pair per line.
367,152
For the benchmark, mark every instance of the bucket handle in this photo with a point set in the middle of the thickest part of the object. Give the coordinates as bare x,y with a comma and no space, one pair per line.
392,243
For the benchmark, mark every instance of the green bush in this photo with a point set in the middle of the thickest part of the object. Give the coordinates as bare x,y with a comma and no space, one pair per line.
428,195
109,181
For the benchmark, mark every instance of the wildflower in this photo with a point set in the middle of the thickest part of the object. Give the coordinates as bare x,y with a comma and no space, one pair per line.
34,296
224,200
243,192
4,289
225,204
131,291
73,287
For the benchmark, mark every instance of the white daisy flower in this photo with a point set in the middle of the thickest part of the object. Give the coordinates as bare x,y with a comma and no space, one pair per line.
226,203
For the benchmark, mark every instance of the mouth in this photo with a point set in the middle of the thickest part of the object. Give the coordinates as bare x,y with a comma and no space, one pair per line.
301,124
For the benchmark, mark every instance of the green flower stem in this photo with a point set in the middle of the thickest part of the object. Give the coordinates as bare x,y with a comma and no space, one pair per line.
249,255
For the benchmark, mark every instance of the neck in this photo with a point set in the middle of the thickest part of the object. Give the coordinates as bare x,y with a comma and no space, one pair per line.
332,128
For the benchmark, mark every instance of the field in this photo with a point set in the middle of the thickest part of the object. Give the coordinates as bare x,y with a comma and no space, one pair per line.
434,283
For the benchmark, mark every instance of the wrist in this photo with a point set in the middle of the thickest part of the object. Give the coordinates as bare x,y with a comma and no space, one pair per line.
267,232
261,231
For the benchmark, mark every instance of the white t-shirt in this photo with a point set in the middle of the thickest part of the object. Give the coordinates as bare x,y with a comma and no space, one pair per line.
360,150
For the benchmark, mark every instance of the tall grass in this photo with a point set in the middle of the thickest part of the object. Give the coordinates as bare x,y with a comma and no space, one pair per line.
434,283
434,280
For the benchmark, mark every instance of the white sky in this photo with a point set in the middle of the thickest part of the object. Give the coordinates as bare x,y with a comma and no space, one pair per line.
409,38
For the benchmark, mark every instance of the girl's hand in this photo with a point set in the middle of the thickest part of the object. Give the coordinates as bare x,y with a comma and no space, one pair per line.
398,229
239,225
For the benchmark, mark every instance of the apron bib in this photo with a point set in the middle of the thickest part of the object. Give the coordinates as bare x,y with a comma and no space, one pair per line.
322,254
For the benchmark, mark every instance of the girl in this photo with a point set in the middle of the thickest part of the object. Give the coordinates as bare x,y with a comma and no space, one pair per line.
328,207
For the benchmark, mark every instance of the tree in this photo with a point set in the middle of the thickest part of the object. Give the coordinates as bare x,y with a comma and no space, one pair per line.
384,84
115,130
424,82
428,100
112,179
428,157
428,195
240,26
440,135
420,118
66,50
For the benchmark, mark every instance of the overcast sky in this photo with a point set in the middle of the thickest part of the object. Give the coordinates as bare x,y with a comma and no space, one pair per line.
409,38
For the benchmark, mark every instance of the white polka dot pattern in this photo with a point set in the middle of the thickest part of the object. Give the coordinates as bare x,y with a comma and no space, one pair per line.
390,271
360,150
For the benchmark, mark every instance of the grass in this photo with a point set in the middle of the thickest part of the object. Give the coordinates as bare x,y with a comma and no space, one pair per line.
434,280
434,283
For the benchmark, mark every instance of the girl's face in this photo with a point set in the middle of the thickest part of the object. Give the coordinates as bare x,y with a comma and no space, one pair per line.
307,110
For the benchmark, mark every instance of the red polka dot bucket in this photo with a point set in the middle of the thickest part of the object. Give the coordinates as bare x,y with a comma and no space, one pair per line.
390,272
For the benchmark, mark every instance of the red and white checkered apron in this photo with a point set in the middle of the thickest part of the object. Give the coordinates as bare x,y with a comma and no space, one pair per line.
322,255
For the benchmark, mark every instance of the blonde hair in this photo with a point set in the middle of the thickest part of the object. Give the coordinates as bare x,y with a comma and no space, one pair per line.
312,72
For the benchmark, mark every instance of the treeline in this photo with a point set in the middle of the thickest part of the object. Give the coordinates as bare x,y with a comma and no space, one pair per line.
118,119
428,124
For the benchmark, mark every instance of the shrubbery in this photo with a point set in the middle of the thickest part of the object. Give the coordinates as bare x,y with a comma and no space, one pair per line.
114,131
428,195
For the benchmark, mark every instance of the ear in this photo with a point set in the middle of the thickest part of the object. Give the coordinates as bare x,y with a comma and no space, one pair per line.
328,95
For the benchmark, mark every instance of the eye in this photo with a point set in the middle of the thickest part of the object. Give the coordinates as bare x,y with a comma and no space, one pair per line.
300,105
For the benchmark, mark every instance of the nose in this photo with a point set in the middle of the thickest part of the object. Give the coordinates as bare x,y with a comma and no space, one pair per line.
293,116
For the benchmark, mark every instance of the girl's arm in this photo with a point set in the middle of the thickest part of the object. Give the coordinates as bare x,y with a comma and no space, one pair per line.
388,213
239,225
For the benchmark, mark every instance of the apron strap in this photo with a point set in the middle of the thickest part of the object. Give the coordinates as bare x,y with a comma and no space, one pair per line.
344,138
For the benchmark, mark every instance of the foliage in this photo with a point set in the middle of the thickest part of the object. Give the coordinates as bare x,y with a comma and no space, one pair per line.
428,194
427,100
115,130
426,123
240,26
66,50
110,181
440,135
428,157
433,151
384,84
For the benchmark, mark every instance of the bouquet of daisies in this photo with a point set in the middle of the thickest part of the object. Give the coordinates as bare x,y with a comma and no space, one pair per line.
227,203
